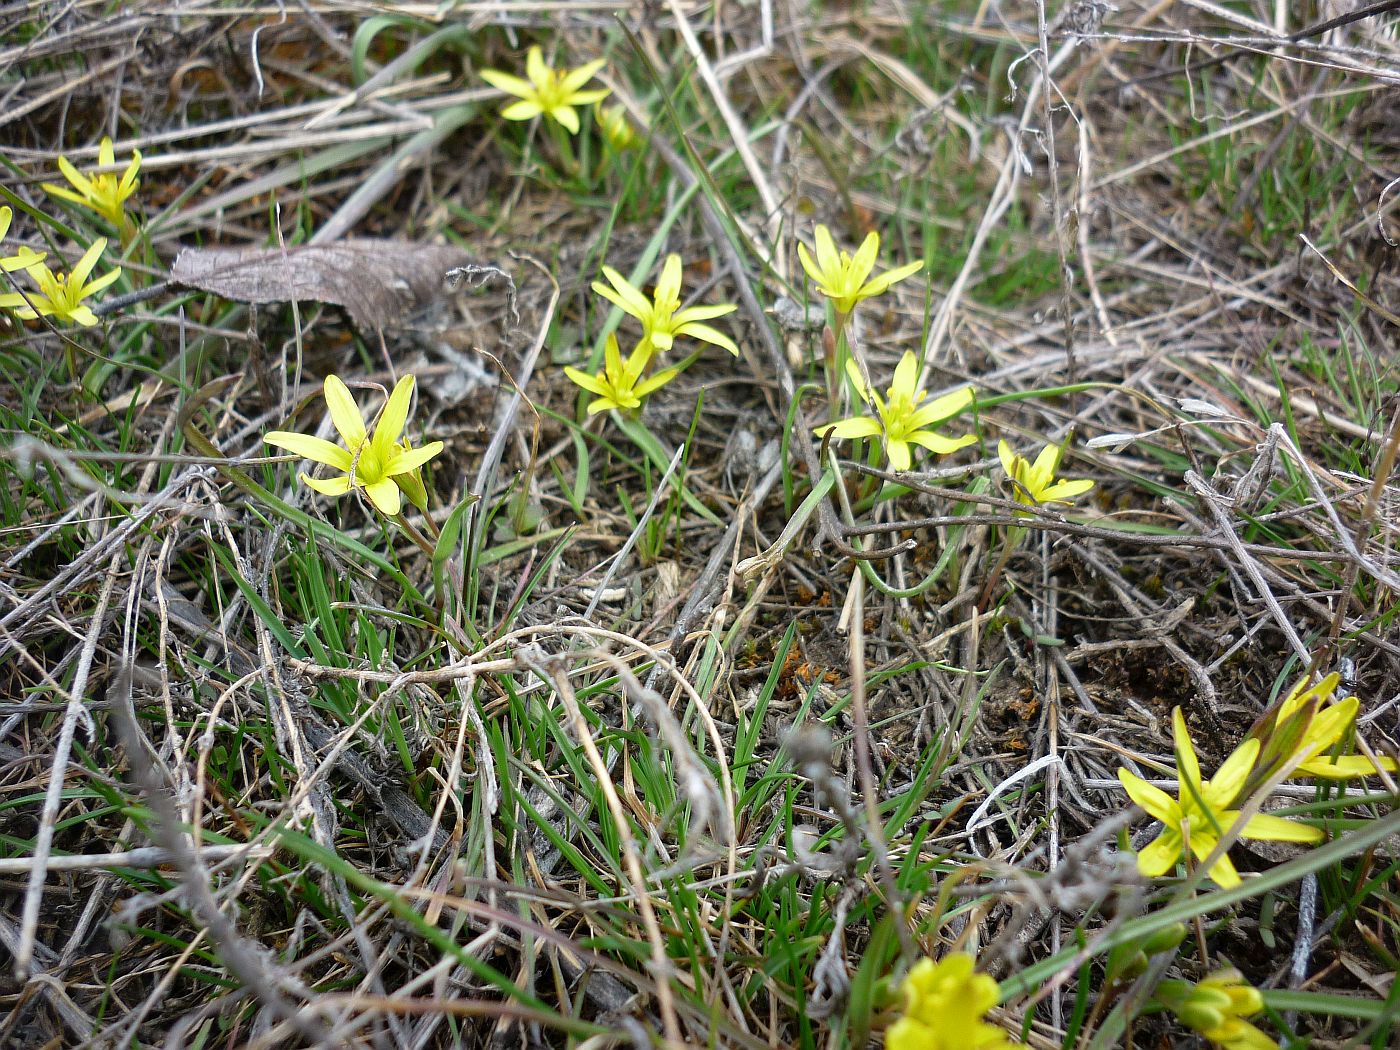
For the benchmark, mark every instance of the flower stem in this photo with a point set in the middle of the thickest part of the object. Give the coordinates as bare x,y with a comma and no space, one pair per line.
1012,540
416,536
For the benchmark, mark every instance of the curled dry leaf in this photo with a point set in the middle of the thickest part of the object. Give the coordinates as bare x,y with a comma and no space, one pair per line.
376,281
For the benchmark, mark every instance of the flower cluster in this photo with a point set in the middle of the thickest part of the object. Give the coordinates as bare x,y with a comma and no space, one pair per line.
1206,811
620,384
1201,815
63,296
945,1006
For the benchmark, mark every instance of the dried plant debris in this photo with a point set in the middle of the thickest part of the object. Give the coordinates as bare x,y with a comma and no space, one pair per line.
377,282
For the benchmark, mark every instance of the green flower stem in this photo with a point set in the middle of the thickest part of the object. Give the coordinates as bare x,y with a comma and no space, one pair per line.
1012,540
565,148
417,537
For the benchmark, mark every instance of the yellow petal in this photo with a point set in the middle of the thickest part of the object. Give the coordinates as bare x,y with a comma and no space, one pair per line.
575,79
93,287
507,83
1276,829
1008,459
345,414
880,284
1224,788
405,460
855,427
310,447
864,262
1345,768
1160,855
391,421
540,74
906,377
567,117
385,495
80,181
336,486
624,294
668,285
1186,762
526,109
84,265
940,444
898,452
708,334
590,383
828,259
1153,800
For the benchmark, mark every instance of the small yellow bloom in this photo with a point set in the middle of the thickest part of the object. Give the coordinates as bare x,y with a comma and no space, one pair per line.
62,295
1217,1008
106,193
26,257
1309,724
1202,814
383,465
553,92
945,1004
620,384
903,418
616,128
1035,483
662,320
843,278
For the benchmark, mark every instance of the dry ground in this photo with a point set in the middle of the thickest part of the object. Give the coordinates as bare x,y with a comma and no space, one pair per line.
694,754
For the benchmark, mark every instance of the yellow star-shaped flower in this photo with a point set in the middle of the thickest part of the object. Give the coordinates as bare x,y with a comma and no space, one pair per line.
945,1004
61,295
553,92
903,417
1202,815
1035,483
662,319
620,385
1310,725
383,464
105,193
845,279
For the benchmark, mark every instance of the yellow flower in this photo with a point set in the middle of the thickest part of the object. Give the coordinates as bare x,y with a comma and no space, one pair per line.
62,295
661,319
842,278
944,1006
617,385
1217,1008
553,92
904,417
105,194
382,465
26,258
1035,483
1307,723
616,128
1201,815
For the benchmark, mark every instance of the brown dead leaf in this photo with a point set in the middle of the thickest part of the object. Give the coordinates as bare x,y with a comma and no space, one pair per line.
376,281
